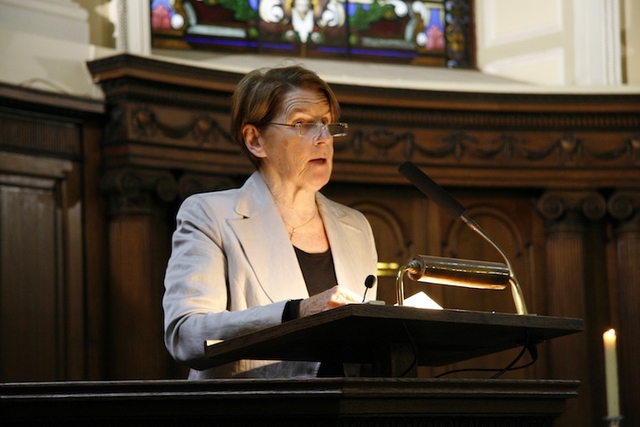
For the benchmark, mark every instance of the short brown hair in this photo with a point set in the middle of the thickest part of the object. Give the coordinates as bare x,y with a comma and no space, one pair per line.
260,94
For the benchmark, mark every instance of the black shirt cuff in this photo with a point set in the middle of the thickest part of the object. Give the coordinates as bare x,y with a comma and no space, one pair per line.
291,310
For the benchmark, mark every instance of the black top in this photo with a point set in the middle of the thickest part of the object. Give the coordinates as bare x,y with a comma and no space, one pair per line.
319,275
317,269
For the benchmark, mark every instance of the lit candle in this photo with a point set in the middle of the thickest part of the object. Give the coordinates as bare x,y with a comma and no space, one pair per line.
611,372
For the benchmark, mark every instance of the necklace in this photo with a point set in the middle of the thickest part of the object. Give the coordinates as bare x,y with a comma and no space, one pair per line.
293,229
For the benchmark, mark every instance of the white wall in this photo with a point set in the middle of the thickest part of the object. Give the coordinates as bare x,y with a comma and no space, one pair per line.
524,40
58,19
522,46
631,41
560,42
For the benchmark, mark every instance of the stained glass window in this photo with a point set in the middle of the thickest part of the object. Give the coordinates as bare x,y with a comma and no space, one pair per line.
396,31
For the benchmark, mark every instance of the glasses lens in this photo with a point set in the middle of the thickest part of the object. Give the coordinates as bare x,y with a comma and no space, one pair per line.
315,129
307,129
337,129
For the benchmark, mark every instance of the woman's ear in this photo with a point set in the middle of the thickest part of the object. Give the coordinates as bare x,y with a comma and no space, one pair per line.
253,141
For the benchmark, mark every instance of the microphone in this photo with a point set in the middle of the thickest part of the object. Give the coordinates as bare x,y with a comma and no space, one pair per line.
368,284
455,210
432,190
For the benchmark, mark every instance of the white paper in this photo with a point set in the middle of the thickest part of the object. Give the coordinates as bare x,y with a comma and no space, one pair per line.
421,300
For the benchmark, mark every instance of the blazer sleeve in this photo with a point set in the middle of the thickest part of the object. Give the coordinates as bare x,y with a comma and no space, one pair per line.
196,299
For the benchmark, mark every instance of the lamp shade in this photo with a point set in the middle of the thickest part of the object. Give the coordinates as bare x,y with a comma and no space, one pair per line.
459,272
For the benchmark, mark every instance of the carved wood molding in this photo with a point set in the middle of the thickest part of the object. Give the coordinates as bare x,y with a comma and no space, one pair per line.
558,149
69,106
174,116
559,206
624,206
135,190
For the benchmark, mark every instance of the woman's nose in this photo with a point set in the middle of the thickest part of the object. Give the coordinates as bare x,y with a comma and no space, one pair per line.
323,134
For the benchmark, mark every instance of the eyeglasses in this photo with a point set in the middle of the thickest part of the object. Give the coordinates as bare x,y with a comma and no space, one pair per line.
314,129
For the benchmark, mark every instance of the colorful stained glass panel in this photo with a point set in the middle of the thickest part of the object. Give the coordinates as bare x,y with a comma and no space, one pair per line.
418,32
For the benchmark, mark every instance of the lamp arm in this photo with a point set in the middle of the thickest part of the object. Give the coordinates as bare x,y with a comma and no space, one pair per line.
412,265
516,290
400,285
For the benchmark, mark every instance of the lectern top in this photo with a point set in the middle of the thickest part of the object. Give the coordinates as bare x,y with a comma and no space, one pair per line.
363,333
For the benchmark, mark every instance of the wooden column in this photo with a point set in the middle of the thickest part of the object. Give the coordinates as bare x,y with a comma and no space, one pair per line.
567,214
139,244
624,206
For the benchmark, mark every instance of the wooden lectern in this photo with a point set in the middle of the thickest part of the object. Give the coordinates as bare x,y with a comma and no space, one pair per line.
392,338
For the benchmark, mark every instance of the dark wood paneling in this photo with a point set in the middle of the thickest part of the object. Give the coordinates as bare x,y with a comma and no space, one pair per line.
41,285
43,299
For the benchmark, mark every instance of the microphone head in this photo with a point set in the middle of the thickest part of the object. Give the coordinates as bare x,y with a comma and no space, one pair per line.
432,190
370,281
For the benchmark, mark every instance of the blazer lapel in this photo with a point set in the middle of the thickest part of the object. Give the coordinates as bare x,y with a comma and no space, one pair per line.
265,242
344,238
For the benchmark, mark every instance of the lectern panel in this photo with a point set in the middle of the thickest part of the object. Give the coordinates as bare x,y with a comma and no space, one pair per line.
362,333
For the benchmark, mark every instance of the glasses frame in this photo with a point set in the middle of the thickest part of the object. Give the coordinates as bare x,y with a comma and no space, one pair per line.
320,126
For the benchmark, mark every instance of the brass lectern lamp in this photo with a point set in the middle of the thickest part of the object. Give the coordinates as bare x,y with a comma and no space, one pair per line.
453,271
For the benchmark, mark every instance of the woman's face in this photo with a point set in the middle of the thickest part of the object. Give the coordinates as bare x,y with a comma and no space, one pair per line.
305,161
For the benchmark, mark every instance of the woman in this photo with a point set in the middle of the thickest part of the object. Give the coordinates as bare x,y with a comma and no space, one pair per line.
275,249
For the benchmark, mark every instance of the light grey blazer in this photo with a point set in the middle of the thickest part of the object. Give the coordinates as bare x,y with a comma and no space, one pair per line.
232,269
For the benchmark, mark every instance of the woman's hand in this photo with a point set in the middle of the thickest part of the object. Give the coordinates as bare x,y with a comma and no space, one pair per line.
331,298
